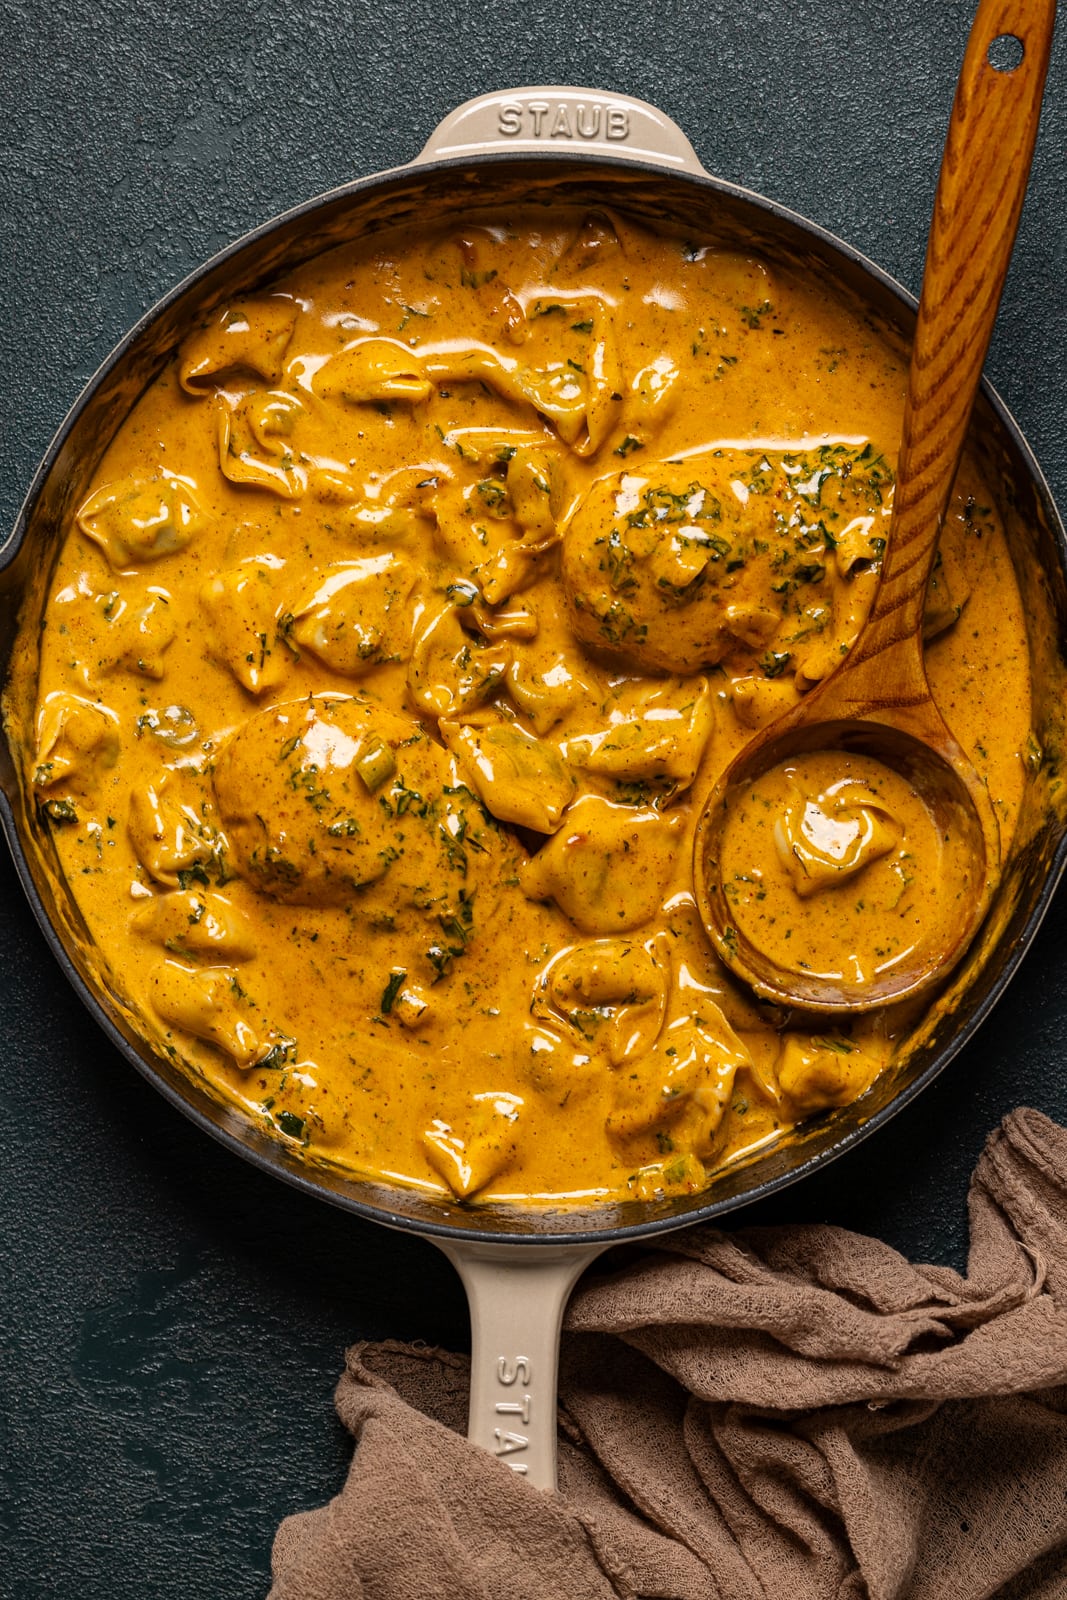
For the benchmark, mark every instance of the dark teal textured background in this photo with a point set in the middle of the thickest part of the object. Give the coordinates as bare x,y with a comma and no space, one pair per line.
171,1321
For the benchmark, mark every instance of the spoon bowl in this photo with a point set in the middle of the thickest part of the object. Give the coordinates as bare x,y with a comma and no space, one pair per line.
805,832
959,815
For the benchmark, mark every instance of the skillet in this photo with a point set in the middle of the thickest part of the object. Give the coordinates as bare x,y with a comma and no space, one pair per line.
519,1264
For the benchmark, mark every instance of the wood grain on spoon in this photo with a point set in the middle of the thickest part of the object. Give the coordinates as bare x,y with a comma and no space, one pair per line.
877,706
984,173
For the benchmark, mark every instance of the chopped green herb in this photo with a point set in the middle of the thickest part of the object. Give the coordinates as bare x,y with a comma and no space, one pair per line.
774,662
60,810
281,1051
392,989
476,280
197,873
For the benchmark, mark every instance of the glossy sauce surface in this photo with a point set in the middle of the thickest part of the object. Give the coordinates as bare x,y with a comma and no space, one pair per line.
836,866
414,610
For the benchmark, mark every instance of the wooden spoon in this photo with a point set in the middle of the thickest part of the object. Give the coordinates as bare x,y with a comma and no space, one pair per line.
878,703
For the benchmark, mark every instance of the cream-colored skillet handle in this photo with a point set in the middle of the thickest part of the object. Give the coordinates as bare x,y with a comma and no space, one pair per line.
517,1294
564,120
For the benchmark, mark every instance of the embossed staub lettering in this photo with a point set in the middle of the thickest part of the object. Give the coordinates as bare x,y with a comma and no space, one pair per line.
511,1372
562,119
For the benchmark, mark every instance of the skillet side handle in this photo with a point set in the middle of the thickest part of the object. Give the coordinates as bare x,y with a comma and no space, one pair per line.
517,1295
562,120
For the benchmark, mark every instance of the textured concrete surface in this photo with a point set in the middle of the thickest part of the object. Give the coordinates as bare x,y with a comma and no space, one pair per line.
171,1321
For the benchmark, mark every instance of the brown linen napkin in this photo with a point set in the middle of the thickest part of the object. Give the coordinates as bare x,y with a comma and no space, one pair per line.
774,1414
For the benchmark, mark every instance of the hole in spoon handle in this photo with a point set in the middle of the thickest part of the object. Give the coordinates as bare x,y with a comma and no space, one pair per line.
1006,52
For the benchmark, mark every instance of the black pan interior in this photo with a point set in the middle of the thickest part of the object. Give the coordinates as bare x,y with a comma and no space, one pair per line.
715,212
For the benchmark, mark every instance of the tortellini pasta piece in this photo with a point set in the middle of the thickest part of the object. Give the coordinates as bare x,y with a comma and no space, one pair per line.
582,400
608,866
612,992
751,622
534,493
373,370
205,1001
678,1174
852,603
534,503
469,1150
243,605
519,778
77,743
139,628
682,1085
573,358
140,519
357,614
498,623
250,337
757,702
196,923
825,840
496,526
603,396
653,393
395,509
824,630
144,634
557,395
451,672
816,662
648,733
546,684
170,838
815,1073
255,438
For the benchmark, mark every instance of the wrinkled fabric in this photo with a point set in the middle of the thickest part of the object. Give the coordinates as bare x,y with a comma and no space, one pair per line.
791,1413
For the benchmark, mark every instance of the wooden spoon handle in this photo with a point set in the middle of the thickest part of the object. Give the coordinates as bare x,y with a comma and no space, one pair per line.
984,172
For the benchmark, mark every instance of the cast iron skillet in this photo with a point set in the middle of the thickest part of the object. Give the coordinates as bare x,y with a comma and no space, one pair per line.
579,147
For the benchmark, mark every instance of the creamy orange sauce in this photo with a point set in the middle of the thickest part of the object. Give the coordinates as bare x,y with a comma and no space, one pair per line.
413,612
835,866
